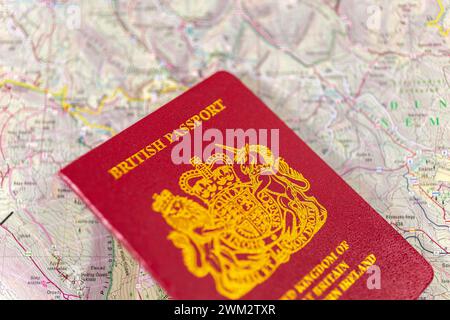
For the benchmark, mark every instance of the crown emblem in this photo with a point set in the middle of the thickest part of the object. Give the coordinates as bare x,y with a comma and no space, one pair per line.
208,179
235,223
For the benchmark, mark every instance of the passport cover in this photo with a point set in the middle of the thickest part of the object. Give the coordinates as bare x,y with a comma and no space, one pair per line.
230,227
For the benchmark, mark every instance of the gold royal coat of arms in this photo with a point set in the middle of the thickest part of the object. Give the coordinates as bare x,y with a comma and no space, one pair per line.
245,221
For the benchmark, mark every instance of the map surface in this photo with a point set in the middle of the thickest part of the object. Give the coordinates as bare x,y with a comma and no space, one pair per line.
364,83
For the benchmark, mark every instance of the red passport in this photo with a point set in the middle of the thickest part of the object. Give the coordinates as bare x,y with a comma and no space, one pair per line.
219,199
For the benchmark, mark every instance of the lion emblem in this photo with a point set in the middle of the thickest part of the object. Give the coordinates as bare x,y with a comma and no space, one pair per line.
239,223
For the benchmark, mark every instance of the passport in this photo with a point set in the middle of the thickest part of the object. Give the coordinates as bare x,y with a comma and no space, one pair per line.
218,199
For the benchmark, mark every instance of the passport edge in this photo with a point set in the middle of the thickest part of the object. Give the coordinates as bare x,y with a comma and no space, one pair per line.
118,235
